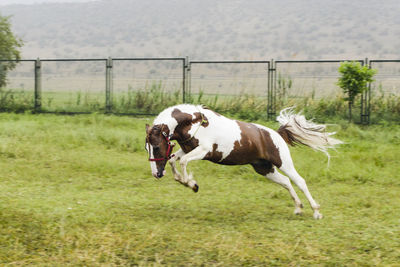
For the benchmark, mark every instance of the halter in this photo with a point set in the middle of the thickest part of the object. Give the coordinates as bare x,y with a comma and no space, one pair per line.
169,150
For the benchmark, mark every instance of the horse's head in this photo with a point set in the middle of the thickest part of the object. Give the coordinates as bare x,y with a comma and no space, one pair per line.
159,148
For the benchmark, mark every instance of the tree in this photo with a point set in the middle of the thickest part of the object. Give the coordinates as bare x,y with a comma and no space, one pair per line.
9,49
354,80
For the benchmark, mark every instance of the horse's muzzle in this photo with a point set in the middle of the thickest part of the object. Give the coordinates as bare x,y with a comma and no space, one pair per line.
159,174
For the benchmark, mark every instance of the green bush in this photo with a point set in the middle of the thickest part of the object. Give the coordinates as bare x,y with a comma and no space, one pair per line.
354,80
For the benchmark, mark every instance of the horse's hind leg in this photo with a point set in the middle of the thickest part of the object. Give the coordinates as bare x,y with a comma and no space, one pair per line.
290,171
271,173
284,181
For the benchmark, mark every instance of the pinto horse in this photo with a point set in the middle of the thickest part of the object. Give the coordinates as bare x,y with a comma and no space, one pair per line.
206,135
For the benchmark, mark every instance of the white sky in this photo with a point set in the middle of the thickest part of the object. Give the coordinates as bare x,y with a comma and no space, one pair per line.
29,2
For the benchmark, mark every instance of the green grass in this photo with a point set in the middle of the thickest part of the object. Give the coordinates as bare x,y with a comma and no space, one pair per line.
78,191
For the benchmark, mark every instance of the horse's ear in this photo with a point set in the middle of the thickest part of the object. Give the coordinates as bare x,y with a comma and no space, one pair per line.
147,128
164,128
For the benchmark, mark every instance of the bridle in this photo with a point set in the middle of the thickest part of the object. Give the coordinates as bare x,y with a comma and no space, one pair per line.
168,155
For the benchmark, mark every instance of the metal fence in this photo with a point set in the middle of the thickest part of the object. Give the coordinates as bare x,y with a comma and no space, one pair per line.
87,85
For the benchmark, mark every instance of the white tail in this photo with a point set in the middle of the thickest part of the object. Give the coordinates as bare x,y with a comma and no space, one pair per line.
295,128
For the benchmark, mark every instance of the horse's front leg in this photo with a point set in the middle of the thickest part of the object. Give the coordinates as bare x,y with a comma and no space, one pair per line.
196,154
172,162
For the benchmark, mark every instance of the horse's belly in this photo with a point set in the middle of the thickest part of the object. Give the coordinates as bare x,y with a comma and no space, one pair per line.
238,156
241,155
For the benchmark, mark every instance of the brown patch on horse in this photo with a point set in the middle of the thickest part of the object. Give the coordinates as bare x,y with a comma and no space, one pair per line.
200,117
214,155
187,119
263,167
255,145
181,117
189,145
185,123
270,151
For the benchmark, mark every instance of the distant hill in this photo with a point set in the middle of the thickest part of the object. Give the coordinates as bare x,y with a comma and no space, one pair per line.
30,2
210,29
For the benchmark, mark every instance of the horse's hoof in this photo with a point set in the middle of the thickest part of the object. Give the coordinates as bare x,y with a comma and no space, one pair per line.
298,211
317,215
195,188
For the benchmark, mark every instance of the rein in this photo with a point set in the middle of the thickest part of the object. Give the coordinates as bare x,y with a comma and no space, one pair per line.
169,150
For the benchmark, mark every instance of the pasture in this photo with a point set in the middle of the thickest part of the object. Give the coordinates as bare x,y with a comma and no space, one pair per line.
78,191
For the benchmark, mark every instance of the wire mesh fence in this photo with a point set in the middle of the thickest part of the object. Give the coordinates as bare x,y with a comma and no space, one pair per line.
140,85
387,77
18,95
147,85
385,90
315,79
73,86
229,78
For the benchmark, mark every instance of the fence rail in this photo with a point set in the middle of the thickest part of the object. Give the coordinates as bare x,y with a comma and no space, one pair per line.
267,78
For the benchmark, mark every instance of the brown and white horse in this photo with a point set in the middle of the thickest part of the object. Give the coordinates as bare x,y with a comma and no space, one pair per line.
206,135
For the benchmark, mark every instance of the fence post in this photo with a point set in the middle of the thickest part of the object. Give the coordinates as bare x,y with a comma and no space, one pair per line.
184,70
109,84
271,90
38,85
365,100
369,97
188,80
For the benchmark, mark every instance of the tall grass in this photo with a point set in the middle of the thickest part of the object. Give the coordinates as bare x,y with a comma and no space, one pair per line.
15,100
385,107
150,99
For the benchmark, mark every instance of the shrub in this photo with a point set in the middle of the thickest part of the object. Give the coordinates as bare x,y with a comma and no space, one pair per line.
353,80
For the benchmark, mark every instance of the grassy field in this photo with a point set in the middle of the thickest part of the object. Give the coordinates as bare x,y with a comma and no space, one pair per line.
77,191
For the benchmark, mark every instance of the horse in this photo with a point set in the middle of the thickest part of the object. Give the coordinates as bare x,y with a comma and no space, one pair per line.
204,134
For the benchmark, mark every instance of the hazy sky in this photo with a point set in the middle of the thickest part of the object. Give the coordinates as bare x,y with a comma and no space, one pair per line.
28,2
